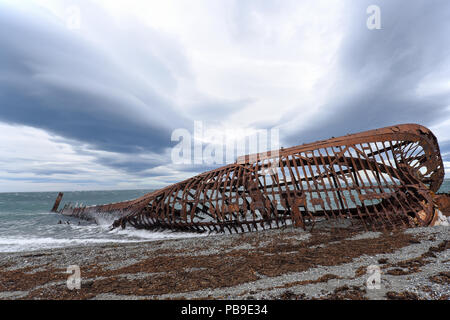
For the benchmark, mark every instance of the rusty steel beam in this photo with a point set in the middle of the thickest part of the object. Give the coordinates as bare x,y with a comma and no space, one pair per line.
383,179
57,201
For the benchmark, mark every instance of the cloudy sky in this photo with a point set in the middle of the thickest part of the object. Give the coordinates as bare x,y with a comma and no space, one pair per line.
91,91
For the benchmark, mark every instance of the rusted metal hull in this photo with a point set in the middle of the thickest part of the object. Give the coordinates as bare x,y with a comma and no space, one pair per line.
383,179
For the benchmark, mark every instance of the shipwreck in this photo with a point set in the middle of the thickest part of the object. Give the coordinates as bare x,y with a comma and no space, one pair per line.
381,179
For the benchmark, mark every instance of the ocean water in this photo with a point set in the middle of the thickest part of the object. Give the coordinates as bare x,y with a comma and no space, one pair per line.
445,187
26,222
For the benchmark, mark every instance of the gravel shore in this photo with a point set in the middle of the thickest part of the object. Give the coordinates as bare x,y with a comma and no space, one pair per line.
327,263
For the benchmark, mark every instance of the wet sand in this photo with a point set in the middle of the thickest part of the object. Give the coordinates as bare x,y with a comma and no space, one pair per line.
328,263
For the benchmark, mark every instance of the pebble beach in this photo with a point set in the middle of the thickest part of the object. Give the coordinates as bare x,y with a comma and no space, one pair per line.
329,262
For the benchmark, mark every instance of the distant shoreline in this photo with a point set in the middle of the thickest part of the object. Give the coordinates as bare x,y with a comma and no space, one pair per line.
68,191
446,180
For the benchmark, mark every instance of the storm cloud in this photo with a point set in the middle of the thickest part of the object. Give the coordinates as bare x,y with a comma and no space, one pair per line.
95,106
74,86
398,74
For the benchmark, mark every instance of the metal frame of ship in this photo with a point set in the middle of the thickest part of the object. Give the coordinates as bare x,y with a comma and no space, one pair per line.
381,179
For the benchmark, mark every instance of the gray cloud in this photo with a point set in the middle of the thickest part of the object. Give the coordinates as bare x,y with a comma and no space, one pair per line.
53,78
379,71
114,90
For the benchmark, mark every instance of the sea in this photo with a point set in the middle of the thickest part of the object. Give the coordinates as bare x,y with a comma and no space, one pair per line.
26,223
